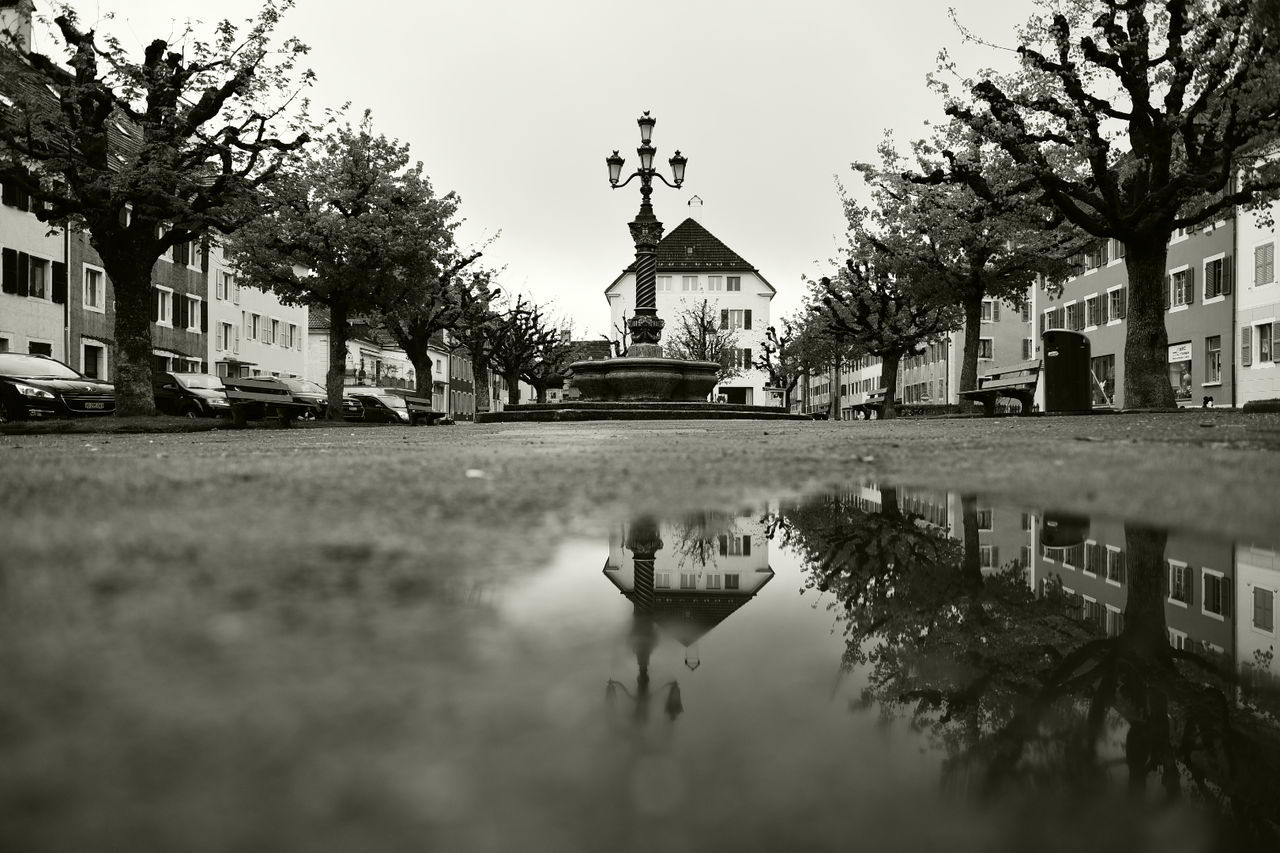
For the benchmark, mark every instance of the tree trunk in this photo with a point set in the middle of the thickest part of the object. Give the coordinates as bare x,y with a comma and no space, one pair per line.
423,371
889,378
134,297
1146,342
336,376
972,339
513,388
833,412
971,566
542,393
480,381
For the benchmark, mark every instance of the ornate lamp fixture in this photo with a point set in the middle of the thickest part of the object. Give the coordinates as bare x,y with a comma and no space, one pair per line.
646,231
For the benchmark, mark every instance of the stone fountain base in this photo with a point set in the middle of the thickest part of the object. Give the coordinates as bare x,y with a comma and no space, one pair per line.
639,388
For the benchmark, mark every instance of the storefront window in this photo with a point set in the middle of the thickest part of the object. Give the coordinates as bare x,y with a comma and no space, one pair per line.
1104,379
1180,370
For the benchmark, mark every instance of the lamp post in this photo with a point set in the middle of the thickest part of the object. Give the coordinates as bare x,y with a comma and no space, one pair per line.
646,231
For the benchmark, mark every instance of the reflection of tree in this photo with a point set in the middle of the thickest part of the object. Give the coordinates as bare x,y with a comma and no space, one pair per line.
1019,690
696,538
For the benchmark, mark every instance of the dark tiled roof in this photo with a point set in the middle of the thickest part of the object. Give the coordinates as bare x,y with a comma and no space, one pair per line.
690,247
590,350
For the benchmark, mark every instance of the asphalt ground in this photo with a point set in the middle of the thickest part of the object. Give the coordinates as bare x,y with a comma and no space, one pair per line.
196,629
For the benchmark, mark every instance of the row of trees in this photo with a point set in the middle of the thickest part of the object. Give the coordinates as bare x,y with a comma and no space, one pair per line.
208,138
1124,120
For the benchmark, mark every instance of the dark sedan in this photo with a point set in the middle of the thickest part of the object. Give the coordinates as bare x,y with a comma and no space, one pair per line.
36,386
192,395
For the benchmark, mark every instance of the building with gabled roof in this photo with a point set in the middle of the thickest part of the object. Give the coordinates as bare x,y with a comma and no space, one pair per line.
694,265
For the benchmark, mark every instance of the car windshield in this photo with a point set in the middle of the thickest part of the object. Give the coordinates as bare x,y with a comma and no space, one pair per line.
393,401
305,386
34,367
197,381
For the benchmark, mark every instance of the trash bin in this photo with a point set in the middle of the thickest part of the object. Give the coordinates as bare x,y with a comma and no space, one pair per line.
1068,383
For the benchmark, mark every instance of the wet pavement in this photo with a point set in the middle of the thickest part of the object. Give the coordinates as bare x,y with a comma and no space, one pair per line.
643,638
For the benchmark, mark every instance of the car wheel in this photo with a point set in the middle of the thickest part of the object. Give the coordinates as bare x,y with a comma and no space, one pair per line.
308,415
191,413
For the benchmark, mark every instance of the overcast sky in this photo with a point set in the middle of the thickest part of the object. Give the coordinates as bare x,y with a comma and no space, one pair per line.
515,104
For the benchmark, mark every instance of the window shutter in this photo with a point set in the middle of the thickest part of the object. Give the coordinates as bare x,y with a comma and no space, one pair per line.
1191,586
1275,341
24,274
179,311
1228,274
235,290
746,546
1168,286
1246,345
724,546
204,317
1124,303
59,283
724,318
155,305
1191,285
995,311
995,556
746,319
235,344
9,273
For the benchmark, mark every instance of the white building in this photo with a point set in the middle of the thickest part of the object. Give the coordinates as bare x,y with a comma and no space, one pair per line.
33,280
1257,588
1257,330
251,332
693,265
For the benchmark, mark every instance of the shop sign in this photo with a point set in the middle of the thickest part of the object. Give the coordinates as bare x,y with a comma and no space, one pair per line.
1179,352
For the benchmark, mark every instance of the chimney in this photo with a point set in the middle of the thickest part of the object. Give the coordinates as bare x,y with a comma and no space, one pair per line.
695,208
15,23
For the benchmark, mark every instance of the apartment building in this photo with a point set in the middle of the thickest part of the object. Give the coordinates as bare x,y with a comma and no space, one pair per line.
33,279
251,332
1257,322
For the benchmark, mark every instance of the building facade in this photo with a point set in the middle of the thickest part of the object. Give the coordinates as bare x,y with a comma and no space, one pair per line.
695,267
1257,328
33,280
251,332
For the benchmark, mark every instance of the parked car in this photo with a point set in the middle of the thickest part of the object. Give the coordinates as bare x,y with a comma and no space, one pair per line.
311,395
381,405
192,395
37,386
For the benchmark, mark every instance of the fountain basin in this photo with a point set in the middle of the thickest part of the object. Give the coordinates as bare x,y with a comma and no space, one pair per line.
668,380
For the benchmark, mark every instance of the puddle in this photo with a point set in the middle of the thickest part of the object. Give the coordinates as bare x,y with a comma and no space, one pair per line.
883,667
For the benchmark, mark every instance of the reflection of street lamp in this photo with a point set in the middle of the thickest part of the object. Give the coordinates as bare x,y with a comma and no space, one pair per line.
646,231
643,542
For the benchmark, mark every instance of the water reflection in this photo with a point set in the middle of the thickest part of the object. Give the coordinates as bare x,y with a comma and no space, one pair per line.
1102,656
683,578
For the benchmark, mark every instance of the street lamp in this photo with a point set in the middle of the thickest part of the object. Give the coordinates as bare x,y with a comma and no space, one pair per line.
646,231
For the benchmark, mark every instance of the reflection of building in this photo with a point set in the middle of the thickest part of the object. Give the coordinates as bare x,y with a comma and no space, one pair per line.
708,566
1257,592
1257,348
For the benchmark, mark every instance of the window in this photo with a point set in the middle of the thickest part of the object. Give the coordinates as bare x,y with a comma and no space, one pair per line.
688,580
1213,358
39,272
222,286
735,546
1115,621
986,348
1177,639
1180,370
715,282
663,283
1028,521
164,307
95,293
989,556
733,283
93,360
4,344
1115,304
227,337
1115,566
735,318
40,348
1263,609
1265,351
1117,250
990,311
1092,558
1179,583
296,343
731,581
1217,595
193,313
1025,312
255,327
688,282
1182,288
1093,311
1075,316
984,519
662,580
275,333
1217,277
1264,264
